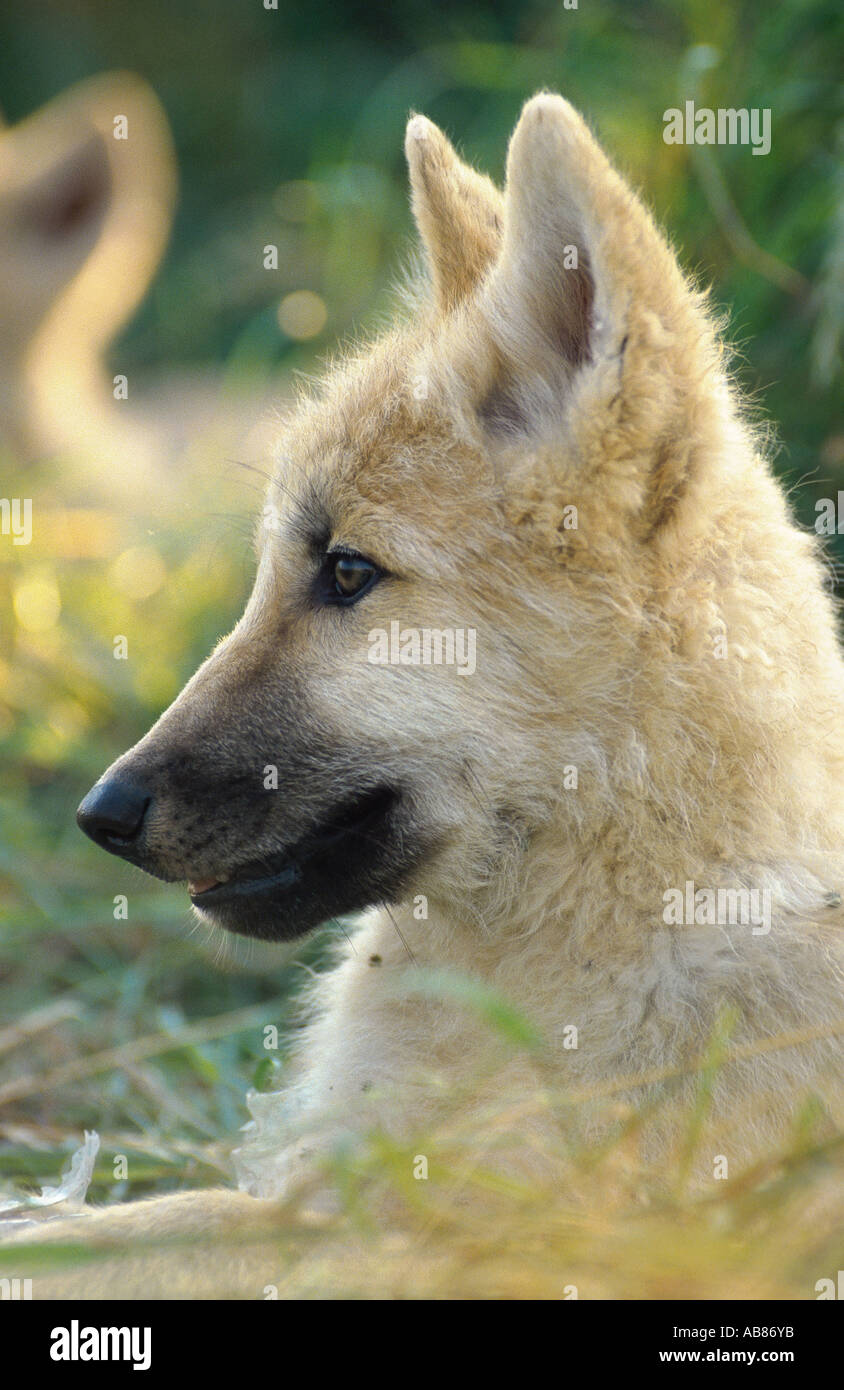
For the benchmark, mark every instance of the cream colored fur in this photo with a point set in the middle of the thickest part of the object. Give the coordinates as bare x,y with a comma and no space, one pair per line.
599,648
678,648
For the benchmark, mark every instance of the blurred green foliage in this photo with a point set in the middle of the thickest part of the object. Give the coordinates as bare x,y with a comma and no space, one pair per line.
288,127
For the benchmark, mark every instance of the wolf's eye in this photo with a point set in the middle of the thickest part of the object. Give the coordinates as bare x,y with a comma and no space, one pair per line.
347,576
351,575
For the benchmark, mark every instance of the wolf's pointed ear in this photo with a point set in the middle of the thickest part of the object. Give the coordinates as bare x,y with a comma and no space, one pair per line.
66,203
581,267
458,212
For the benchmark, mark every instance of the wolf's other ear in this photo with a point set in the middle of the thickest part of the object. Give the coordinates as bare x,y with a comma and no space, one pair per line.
458,212
580,254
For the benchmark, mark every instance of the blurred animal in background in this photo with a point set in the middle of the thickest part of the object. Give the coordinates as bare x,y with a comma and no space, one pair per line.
87,191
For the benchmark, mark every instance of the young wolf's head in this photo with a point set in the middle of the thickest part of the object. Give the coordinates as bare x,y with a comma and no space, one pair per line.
495,563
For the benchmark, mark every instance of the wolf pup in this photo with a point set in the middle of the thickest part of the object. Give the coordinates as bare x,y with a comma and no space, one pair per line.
625,813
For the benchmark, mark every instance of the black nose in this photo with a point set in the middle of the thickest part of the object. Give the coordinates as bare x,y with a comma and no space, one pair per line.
113,813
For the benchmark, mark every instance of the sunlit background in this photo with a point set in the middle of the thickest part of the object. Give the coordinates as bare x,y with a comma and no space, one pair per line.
287,129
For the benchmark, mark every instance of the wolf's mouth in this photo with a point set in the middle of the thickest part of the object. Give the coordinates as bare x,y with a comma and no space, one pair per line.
354,825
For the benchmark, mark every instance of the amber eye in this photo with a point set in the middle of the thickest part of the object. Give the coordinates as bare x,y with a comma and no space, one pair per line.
348,576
